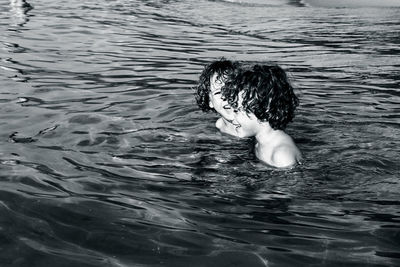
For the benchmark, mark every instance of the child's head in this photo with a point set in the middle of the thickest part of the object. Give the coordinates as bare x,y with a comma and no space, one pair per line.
217,71
264,91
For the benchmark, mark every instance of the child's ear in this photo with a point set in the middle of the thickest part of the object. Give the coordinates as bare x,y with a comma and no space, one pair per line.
210,103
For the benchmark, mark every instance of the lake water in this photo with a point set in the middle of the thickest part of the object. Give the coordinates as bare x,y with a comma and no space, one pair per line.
105,159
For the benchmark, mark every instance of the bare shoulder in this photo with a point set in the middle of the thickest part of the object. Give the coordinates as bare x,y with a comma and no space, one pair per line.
226,127
286,155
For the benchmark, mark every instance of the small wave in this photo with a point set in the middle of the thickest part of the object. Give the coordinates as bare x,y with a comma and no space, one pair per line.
14,138
261,3
353,3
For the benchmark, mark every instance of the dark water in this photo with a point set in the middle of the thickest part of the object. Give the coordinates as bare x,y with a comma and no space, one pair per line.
105,159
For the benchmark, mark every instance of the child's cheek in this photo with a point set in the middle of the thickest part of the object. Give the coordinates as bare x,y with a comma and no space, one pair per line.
240,117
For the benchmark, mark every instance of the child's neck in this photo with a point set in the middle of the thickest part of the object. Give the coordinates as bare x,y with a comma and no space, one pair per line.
266,133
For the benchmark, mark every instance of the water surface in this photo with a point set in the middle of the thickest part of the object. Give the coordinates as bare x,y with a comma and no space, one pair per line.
105,160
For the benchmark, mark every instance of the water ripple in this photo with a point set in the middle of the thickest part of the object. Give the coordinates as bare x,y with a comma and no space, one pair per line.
106,161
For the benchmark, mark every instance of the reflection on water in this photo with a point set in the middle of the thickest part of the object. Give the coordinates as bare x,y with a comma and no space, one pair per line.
19,10
106,161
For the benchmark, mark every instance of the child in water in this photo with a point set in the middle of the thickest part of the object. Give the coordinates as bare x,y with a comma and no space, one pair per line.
255,100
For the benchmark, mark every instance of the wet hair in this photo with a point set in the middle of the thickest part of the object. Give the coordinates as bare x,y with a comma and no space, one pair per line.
266,92
223,68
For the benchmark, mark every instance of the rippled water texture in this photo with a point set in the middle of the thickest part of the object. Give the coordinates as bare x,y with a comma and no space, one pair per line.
105,160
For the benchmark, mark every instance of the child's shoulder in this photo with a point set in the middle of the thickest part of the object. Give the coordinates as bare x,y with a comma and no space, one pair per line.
281,152
285,155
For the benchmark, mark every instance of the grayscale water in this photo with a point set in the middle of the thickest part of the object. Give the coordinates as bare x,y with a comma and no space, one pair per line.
105,159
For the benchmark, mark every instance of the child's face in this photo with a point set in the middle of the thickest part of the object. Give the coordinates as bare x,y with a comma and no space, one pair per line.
246,123
216,101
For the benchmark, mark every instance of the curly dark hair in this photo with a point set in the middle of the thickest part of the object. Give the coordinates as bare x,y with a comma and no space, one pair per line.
222,67
266,92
